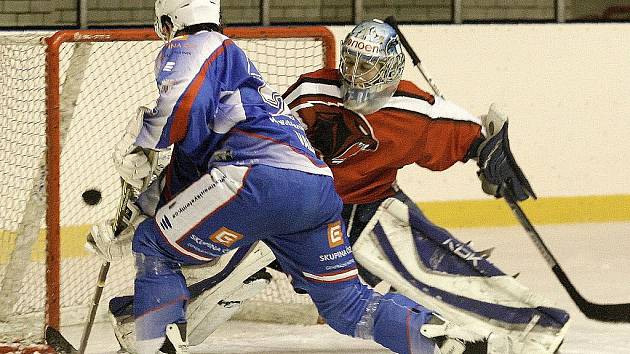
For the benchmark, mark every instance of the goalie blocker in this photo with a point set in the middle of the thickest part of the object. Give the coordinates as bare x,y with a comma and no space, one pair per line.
432,268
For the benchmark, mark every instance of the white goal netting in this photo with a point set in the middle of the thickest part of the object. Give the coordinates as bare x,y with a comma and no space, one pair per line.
101,85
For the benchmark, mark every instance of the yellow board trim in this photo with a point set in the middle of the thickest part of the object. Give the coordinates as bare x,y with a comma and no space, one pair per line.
72,244
448,214
544,211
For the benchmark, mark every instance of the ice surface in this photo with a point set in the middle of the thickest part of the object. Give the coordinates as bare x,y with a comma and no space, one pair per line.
593,255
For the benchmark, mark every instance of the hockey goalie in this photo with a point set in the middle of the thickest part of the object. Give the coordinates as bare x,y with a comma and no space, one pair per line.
367,123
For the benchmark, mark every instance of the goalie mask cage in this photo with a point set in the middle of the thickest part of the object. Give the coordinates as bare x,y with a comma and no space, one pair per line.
65,100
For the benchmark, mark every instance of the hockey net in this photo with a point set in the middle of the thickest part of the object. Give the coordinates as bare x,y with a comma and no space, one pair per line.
64,102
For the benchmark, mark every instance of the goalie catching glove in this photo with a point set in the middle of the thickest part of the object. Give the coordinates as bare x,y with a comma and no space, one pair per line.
110,246
497,167
131,161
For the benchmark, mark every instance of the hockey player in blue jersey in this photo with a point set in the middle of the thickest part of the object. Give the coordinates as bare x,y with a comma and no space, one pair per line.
241,171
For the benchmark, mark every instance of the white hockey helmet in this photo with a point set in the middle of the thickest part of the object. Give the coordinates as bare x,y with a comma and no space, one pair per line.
184,13
372,63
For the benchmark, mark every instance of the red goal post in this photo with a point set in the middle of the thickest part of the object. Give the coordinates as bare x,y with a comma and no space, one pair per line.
93,82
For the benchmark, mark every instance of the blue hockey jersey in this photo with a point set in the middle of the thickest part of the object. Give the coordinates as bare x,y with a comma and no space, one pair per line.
215,108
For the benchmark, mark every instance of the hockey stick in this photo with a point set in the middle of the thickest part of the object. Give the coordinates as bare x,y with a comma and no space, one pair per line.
599,312
119,225
123,216
53,336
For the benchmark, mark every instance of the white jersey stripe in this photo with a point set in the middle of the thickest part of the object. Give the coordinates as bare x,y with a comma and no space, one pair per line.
440,109
332,278
229,112
313,88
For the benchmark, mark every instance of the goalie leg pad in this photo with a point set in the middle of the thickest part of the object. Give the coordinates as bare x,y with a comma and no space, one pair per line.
210,308
217,290
431,267
219,313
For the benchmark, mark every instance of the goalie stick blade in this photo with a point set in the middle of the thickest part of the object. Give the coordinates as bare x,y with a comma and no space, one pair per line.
617,313
599,312
56,340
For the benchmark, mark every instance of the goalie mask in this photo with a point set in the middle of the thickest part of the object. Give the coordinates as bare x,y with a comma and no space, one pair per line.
172,16
372,63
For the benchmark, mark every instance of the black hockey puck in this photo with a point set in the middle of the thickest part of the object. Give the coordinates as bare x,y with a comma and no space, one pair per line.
91,196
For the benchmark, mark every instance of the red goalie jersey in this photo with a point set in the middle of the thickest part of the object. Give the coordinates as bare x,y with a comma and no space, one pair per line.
365,152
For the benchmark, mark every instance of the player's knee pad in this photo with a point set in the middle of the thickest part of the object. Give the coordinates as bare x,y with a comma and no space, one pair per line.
427,264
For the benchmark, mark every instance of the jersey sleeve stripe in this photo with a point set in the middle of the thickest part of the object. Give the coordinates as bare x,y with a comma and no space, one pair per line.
424,116
427,97
324,81
305,99
182,112
441,109
312,88
304,79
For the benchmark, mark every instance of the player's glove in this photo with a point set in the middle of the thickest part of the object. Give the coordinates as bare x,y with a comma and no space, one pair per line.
131,161
498,169
112,246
